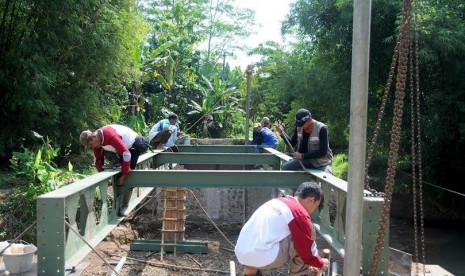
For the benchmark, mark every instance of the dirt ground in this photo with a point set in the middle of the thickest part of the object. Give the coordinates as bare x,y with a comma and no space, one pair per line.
216,262
220,252
117,245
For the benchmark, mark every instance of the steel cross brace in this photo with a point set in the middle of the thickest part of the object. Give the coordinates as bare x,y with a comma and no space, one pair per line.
215,179
217,158
217,148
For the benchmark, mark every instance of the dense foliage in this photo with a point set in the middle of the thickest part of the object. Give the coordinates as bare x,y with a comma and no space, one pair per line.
63,64
189,79
70,65
316,74
34,172
66,66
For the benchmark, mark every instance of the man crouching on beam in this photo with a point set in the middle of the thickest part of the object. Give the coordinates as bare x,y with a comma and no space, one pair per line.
280,231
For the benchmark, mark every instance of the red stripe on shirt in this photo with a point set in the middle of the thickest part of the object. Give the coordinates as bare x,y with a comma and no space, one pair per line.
301,232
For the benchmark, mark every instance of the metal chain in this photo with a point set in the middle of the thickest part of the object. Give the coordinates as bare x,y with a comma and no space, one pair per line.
419,155
404,38
380,117
414,159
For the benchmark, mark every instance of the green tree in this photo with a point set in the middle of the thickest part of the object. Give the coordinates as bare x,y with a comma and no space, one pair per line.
225,24
322,57
177,75
217,103
171,76
327,28
442,60
275,82
63,65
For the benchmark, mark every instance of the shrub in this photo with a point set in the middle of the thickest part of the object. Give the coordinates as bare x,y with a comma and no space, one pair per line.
39,175
341,165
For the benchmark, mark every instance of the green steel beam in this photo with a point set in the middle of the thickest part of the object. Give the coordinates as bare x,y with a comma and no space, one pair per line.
215,179
181,246
82,184
59,248
278,154
372,208
218,149
51,236
217,158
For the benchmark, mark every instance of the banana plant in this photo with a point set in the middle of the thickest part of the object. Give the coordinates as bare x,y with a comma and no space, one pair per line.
162,67
217,102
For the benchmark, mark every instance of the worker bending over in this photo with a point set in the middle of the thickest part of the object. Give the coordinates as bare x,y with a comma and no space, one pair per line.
280,231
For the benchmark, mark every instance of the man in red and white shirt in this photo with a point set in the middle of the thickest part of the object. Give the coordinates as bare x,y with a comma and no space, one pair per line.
119,139
280,231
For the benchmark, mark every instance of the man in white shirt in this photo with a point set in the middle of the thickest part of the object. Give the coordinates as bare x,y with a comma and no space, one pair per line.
280,231
164,133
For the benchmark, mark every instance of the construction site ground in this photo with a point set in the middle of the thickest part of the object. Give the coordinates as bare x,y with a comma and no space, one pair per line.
117,245
220,251
143,226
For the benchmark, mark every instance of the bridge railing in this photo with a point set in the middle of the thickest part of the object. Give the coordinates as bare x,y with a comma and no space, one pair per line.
330,220
90,206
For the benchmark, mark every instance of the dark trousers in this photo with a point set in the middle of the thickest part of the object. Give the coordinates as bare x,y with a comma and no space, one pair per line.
160,138
294,165
139,147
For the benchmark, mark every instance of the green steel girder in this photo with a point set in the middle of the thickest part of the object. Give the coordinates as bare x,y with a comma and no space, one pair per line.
51,236
218,149
372,209
181,246
217,158
215,179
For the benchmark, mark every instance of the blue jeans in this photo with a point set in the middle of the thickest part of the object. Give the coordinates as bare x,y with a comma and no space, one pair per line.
259,148
294,165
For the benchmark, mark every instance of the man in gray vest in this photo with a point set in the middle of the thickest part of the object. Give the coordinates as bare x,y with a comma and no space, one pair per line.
311,137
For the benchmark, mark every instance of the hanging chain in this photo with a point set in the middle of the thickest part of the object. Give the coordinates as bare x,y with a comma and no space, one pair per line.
414,159
415,108
404,38
379,119
419,155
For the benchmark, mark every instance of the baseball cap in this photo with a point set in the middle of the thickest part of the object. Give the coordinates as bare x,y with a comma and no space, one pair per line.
301,116
257,125
85,138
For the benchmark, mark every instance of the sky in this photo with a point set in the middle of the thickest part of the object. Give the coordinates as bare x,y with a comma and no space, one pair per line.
268,14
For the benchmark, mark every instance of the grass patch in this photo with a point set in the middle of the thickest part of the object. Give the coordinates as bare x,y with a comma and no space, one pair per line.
9,179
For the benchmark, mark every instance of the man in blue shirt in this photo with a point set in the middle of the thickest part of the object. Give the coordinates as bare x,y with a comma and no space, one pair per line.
164,132
263,137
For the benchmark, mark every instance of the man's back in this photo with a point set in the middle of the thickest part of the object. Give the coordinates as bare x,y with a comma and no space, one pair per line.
269,137
258,242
